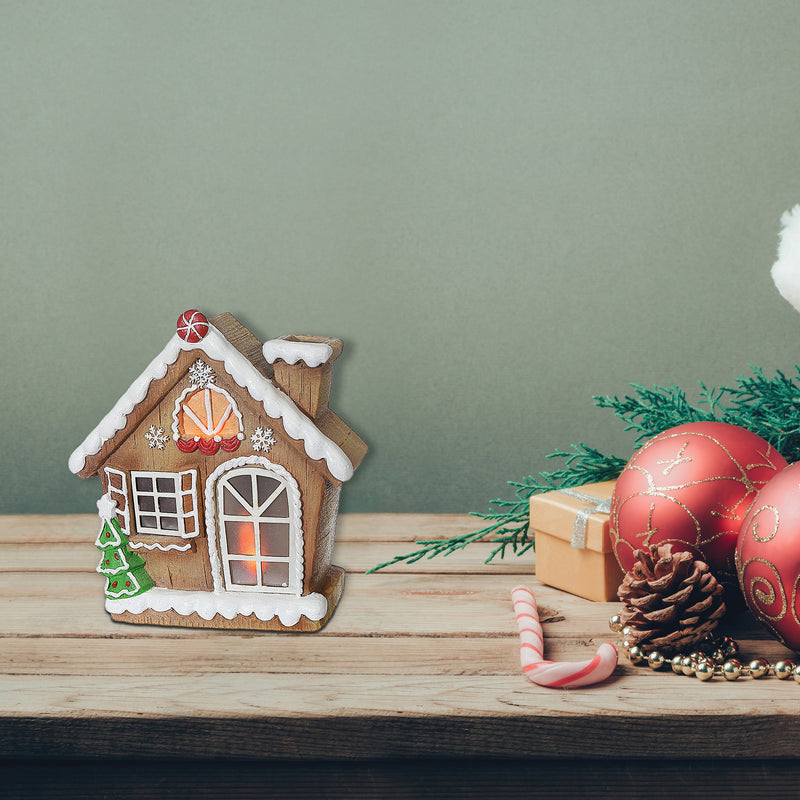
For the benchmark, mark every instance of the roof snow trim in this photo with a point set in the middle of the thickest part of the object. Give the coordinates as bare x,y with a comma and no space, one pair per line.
312,354
276,404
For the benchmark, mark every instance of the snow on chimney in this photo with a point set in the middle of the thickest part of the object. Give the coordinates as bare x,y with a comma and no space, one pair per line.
303,367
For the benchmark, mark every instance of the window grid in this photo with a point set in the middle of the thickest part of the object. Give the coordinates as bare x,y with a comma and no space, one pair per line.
253,517
160,503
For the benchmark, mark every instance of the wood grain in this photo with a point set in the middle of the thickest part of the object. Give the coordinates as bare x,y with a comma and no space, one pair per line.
421,662
443,779
408,528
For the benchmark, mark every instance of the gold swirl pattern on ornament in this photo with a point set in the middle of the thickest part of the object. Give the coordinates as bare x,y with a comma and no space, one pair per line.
758,594
747,483
671,463
775,632
717,535
776,524
726,513
745,478
651,531
647,535
794,599
766,463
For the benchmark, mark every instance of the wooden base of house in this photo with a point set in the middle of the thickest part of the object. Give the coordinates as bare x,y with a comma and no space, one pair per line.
331,590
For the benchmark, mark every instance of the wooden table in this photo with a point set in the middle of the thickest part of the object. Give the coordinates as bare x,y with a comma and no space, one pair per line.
413,689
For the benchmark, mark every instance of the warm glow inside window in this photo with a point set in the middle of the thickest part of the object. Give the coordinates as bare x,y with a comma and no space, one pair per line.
256,531
165,503
207,413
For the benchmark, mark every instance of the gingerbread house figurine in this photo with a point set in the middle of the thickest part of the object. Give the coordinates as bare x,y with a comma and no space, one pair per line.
221,469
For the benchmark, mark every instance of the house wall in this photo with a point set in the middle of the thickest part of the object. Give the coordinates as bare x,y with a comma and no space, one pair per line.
327,531
191,569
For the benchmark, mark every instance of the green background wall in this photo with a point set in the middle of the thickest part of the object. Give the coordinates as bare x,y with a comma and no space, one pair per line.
502,208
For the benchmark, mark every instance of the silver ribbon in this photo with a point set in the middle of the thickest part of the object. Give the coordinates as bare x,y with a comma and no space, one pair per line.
582,517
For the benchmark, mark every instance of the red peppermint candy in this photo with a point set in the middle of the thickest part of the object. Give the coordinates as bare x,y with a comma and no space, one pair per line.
192,326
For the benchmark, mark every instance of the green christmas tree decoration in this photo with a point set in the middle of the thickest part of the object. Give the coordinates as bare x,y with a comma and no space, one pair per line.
122,566
769,407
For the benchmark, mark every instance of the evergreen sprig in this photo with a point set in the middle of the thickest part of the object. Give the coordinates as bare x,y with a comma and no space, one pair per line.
769,407
653,410
508,523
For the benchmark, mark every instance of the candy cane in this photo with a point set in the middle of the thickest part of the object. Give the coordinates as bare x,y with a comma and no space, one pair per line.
554,674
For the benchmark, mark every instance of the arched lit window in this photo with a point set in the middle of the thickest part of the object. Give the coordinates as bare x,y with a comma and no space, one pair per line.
256,531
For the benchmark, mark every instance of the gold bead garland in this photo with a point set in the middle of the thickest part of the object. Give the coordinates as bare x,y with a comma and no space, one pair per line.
719,658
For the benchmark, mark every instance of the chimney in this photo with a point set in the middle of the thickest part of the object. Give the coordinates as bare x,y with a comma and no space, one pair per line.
303,366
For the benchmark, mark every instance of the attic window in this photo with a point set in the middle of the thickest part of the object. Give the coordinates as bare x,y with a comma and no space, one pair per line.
206,418
165,503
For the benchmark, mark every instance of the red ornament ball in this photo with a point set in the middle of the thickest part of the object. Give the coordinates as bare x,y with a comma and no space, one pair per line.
768,557
691,486
192,326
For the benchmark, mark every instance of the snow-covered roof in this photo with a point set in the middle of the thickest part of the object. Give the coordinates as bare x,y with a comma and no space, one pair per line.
276,404
312,354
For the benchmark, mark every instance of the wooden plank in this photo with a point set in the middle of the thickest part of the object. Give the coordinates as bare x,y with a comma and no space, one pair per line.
296,655
48,528
372,605
414,664
443,779
385,715
273,695
362,542
303,655
363,556
44,557
49,557
406,528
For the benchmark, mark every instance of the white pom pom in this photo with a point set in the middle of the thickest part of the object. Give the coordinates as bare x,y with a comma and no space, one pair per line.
786,270
106,506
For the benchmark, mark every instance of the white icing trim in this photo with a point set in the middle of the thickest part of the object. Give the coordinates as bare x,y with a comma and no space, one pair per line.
179,495
101,567
312,354
191,492
233,409
287,608
276,404
125,522
115,540
295,510
132,589
157,546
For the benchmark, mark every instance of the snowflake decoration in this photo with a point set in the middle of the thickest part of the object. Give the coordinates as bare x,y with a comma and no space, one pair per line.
262,439
201,374
156,437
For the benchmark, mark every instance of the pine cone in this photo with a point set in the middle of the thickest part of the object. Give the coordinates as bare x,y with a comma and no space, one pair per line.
671,600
